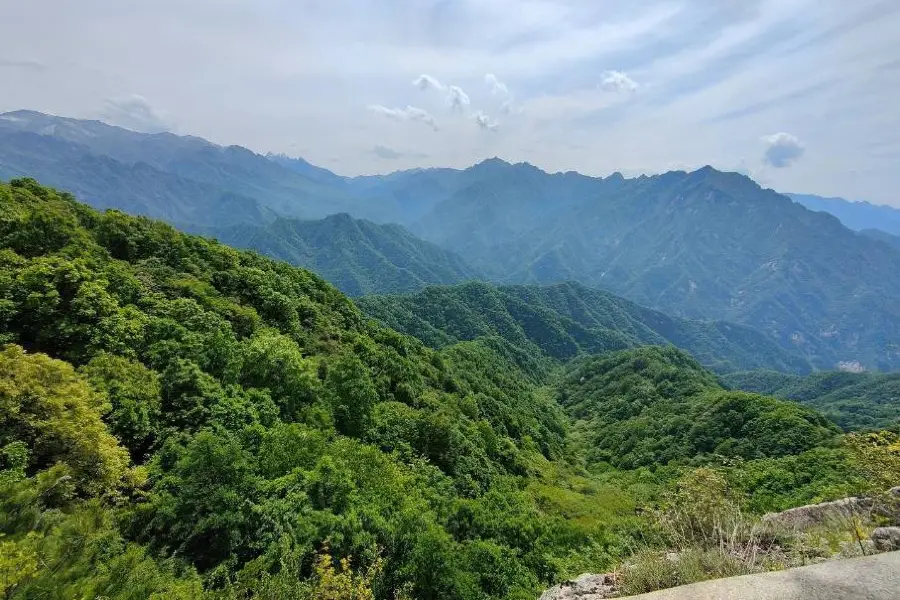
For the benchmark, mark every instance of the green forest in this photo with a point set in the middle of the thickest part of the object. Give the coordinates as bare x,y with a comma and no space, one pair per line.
181,419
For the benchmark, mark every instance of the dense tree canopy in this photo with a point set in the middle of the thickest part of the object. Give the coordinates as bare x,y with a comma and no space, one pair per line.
179,419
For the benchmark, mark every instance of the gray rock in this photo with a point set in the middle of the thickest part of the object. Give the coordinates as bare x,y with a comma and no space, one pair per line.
886,539
867,578
815,514
583,587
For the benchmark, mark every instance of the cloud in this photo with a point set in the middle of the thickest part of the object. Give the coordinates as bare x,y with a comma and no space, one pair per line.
617,81
484,122
783,149
134,112
33,65
497,87
458,99
386,153
391,154
410,113
427,82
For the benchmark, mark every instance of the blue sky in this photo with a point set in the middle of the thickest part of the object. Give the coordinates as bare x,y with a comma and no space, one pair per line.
800,94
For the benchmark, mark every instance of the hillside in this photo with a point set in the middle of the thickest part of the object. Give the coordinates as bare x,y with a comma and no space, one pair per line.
876,234
654,405
855,215
184,420
855,401
703,245
47,147
565,320
137,188
357,256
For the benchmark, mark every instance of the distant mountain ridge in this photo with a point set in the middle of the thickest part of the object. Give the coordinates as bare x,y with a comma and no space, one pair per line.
702,245
855,215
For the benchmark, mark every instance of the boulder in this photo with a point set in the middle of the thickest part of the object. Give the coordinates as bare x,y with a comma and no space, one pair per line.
584,587
816,514
886,539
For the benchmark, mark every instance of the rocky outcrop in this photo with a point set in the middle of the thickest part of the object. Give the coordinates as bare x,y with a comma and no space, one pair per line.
866,578
815,514
886,539
584,587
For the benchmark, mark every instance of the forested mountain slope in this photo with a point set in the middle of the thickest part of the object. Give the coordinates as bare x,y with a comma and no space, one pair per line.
657,405
259,409
564,320
184,420
853,400
358,256
701,245
704,244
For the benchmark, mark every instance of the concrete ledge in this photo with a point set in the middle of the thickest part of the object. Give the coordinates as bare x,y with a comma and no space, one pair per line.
865,578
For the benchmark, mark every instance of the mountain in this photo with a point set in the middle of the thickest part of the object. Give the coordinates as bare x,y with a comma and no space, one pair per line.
704,245
188,415
654,406
855,401
137,188
855,215
565,320
357,256
57,145
181,419
876,234
701,245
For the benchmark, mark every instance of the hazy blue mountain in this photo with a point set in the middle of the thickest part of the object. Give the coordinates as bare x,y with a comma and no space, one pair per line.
357,256
882,236
702,245
310,171
855,215
136,188
566,320
231,170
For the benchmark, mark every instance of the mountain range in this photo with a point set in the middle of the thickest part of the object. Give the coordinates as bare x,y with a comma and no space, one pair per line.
859,216
702,245
182,419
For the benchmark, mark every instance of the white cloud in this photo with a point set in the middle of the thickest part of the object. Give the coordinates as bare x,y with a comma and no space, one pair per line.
617,81
496,86
134,112
386,153
485,122
458,99
427,82
410,113
782,150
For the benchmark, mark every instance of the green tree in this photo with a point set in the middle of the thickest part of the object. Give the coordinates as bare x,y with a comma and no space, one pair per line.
44,403
351,394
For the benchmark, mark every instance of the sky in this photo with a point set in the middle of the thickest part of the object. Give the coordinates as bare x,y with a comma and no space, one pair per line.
802,95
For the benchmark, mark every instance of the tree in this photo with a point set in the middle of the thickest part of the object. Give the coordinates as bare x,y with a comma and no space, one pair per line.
133,390
352,395
44,403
